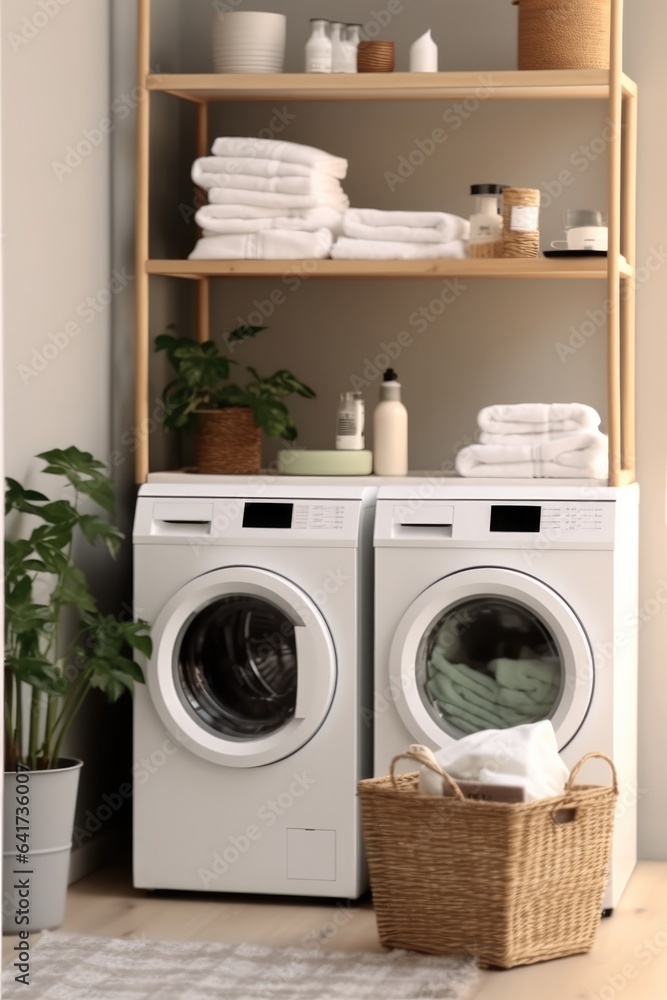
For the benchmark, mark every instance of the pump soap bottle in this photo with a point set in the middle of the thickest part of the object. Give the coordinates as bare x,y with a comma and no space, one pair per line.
390,429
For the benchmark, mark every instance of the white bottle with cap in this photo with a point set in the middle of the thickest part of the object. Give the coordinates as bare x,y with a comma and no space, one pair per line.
319,52
390,429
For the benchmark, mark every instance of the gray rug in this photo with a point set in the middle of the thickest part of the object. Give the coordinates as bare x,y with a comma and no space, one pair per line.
73,967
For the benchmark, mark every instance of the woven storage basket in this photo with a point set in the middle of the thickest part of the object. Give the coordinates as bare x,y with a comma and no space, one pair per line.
228,442
375,57
521,207
511,883
564,34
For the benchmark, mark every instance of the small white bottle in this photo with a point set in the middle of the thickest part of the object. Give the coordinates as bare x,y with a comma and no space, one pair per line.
486,225
337,47
350,422
319,52
351,39
390,429
424,54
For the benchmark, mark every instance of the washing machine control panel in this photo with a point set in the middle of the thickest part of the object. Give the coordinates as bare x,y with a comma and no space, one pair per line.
574,518
567,523
498,523
319,516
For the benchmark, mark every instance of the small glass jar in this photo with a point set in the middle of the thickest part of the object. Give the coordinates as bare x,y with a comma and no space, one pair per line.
486,224
319,51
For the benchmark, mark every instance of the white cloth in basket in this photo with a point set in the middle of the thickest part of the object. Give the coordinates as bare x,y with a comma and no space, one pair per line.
525,756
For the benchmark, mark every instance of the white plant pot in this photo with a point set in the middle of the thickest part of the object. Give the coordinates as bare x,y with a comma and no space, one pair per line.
35,892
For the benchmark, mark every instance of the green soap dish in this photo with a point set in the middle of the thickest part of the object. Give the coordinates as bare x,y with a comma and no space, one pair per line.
304,462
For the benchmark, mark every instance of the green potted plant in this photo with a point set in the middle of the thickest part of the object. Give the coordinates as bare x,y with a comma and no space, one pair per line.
58,646
227,417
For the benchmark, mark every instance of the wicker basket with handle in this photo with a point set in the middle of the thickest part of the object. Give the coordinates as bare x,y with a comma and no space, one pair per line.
228,442
511,883
564,34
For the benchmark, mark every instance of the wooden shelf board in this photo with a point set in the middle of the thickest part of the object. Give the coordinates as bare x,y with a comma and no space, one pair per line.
509,268
498,85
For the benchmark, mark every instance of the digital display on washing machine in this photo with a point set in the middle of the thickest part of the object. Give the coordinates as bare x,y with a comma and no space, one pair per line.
506,517
268,515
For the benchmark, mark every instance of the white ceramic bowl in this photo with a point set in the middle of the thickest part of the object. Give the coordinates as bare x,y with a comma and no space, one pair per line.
249,42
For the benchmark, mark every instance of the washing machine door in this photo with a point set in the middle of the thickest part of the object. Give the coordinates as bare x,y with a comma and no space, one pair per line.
488,648
243,670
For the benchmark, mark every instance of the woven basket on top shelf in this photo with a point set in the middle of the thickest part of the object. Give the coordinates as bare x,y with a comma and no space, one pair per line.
511,883
564,34
228,442
375,57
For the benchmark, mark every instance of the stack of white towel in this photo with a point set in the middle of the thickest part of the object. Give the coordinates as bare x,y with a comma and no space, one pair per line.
537,440
268,200
370,234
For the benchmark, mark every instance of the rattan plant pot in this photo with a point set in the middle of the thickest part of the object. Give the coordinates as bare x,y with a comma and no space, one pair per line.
564,34
375,57
228,442
510,883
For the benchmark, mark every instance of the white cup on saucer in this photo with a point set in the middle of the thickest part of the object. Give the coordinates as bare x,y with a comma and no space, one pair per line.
583,238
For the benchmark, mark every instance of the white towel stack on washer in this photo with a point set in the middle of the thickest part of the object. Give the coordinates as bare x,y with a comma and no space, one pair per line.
537,440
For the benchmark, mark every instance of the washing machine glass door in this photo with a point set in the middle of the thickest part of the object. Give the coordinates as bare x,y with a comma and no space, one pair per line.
489,648
243,669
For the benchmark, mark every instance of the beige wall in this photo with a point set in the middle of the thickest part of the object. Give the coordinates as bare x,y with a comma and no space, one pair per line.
55,88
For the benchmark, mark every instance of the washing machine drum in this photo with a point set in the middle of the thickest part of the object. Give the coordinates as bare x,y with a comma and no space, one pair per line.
237,666
489,648
244,669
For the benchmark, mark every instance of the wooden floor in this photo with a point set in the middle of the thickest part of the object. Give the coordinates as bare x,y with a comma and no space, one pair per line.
629,958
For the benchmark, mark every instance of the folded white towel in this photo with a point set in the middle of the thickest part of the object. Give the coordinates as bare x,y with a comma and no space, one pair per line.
538,438
273,244
278,149
582,455
272,199
314,184
230,211
410,227
210,219
537,418
255,167
349,249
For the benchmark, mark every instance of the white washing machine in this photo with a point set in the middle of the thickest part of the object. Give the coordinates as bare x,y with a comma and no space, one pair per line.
478,587
249,735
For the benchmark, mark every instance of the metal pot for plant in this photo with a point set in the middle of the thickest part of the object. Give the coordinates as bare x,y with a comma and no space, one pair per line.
228,442
38,814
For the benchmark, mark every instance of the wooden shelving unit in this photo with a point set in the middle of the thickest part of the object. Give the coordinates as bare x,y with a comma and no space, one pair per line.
611,86
516,268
